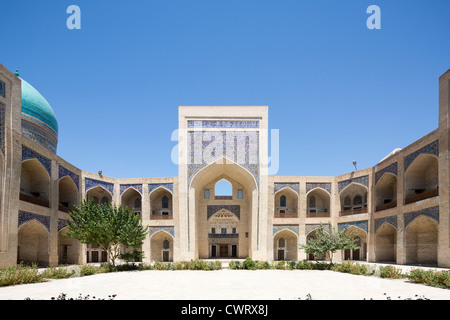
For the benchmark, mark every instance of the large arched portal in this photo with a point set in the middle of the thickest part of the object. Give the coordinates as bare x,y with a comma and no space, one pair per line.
422,241
33,244
237,238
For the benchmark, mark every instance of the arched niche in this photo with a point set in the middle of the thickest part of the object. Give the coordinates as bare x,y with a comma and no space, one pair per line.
99,195
318,203
132,200
353,199
285,245
161,204
360,253
161,246
68,249
33,244
34,183
67,194
386,243
386,192
422,241
286,203
422,179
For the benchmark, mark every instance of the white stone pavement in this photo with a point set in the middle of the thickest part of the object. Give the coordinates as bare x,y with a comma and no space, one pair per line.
227,285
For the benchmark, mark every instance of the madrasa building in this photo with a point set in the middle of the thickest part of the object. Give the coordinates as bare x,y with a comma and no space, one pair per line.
399,208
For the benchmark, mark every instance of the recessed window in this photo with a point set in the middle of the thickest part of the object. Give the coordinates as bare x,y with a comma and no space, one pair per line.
240,194
213,230
206,193
283,201
2,89
224,230
165,202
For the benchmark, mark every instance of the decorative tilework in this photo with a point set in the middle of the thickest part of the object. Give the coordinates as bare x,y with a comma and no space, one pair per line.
40,135
312,185
25,216
125,187
392,220
223,236
154,186
2,128
66,172
205,147
432,148
27,154
222,124
360,224
364,180
62,223
91,183
278,186
212,209
432,212
392,168
153,230
311,227
293,227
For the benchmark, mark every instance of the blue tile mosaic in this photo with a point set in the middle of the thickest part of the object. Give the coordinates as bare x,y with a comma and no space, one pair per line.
25,216
63,172
62,223
205,147
360,224
364,180
222,124
432,212
27,154
36,133
432,148
324,185
311,227
292,227
392,168
212,209
154,186
392,220
125,187
280,185
153,230
92,183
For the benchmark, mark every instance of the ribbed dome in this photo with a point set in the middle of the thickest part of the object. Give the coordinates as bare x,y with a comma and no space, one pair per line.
35,106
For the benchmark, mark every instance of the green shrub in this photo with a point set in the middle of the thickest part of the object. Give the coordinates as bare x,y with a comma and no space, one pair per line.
249,264
280,265
19,275
235,265
323,266
304,265
158,265
390,272
352,268
57,273
440,279
262,265
88,270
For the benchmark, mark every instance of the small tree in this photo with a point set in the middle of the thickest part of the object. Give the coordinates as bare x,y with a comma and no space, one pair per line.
106,225
329,242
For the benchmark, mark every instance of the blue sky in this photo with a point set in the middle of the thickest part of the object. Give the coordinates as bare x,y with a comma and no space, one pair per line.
336,90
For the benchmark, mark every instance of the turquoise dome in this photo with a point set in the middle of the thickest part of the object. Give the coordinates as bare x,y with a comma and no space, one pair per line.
35,106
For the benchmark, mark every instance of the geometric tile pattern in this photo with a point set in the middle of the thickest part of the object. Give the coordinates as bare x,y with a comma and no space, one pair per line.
62,223
91,183
313,185
66,172
392,220
278,186
222,124
25,216
361,180
124,187
432,148
153,230
293,227
311,227
432,212
212,209
154,186
360,224
27,153
392,168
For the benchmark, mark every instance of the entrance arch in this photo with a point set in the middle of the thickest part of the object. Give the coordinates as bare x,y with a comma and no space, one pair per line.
161,247
386,243
33,244
285,245
243,203
422,241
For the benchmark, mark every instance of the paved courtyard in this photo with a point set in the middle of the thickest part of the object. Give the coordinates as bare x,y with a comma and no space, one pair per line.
227,285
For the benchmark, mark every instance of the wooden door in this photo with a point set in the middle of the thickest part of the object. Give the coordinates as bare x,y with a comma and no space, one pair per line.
165,256
234,251
281,254
94,256
213,251
224,250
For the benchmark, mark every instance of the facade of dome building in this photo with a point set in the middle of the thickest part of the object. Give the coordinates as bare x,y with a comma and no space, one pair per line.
399,208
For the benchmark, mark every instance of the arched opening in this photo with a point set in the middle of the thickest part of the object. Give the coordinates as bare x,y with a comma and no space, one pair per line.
223,234
161,206
422,241
386,243
318,203
353,199
34,183
322,257
386,192
201,209
131,199
223,190
68,249
285,246
33,244
421,179
67,193
161,247
99,195
286,203
359,254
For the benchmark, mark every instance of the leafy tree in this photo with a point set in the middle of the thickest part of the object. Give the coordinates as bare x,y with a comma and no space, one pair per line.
106,225
329,242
